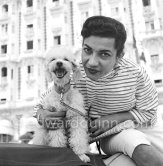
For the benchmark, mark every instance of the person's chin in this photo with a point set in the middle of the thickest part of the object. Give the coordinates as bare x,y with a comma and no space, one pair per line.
93,77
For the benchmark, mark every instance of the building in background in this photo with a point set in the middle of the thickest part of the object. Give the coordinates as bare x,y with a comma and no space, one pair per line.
29,27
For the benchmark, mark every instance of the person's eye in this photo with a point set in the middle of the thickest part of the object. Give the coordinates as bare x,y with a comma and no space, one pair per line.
105,55
87,50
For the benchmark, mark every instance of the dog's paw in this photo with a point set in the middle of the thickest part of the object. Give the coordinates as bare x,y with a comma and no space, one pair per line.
84,158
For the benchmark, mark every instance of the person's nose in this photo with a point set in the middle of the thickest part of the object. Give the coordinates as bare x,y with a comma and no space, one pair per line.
93,60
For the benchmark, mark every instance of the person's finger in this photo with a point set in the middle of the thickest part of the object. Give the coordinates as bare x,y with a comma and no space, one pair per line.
96,133
93,129
55,114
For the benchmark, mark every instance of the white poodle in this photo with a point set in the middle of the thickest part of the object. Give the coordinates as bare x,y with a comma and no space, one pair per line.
61,67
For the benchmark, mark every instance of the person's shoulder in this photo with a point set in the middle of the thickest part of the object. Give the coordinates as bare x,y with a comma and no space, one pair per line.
129,65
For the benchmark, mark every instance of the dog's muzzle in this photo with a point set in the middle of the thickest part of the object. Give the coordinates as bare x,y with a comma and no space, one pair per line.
60,72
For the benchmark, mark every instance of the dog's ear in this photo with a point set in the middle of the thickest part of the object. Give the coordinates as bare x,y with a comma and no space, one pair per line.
48,75
76,72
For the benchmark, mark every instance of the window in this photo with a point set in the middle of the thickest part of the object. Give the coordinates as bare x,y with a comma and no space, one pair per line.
5,8
4,49
30,45
12,74
2,101
114,11
57,40
29,3
146,2
4,28
30,26
30,69
4,72
155,58
158,81
149,25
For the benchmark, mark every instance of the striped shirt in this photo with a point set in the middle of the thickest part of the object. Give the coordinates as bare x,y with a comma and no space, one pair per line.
126,88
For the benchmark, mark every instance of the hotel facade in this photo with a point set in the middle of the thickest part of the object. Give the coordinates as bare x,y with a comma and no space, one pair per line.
28,28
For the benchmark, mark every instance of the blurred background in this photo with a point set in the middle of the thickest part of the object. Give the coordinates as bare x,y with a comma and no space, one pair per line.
29,27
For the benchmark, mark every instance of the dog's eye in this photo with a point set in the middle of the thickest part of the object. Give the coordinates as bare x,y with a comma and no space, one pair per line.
66,59
53,59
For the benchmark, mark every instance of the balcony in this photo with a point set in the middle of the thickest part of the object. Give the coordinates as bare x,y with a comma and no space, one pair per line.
56,8
112,1
29,33
29,12
3,101
148,12
152,34
3,55
4,36
4,16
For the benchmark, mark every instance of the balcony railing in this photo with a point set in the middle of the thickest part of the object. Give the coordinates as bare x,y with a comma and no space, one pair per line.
3,55
29,10
148,12
4,15
29,32
152,33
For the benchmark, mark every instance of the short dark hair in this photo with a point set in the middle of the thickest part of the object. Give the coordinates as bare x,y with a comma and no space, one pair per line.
105,27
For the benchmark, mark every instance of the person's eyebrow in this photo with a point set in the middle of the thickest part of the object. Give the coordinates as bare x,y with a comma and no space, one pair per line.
105,51
87,45
101,51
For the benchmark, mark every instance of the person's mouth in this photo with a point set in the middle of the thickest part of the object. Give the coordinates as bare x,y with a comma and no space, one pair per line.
92,71
60,72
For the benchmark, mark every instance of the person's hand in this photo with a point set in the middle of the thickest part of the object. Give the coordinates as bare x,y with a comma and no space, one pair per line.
101,125
51,120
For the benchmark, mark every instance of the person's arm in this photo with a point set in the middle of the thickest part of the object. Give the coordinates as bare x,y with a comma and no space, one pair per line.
105,123
145,111
50,120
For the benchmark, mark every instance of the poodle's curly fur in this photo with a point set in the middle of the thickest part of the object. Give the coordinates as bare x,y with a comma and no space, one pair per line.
60,68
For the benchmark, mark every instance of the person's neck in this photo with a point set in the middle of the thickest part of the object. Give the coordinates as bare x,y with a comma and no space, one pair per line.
62,89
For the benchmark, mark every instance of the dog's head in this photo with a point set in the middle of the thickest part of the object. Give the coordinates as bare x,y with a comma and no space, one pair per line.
60,64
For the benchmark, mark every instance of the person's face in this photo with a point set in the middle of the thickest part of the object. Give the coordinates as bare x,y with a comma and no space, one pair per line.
98,56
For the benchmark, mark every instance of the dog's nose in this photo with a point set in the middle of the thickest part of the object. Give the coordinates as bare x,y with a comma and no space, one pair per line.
59,64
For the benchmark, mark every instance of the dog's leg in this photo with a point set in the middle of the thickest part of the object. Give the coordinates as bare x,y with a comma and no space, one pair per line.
57,138
40,136
79,137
